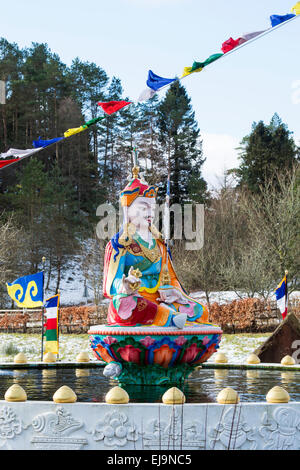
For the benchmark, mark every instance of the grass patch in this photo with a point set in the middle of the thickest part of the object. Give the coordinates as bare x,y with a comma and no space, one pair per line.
10,349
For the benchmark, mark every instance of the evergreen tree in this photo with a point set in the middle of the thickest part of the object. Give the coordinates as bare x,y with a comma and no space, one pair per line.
180,141
89,87
110,172
29,198
149,148
267,150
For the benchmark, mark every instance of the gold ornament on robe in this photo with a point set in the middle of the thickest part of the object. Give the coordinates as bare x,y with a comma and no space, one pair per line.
136,273
153,254
165,276
126,238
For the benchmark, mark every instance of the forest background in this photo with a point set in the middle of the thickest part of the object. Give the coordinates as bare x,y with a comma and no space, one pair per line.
48,203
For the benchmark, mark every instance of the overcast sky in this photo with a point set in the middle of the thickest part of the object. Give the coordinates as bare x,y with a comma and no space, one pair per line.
128,37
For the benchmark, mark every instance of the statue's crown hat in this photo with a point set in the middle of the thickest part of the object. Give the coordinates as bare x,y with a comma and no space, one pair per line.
136,188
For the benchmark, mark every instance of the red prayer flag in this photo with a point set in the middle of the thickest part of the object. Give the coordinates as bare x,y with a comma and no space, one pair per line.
3,163
231,44
111,107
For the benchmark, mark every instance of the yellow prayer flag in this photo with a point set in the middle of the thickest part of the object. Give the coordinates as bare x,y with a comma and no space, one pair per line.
73,131
296,9
51,346
188,71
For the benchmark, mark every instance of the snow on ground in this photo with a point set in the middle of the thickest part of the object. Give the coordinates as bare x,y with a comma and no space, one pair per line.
239,346
223,297
72,289
236,347
30,345
71,285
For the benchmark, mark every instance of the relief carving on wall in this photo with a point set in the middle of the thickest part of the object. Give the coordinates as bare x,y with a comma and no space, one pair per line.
174,433
281,431
53,431
10,426
233,432
115,430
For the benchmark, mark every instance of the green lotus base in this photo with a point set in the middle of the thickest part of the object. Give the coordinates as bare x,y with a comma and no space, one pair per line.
154,374
153,355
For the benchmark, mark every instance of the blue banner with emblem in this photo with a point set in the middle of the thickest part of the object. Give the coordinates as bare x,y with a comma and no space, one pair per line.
27,291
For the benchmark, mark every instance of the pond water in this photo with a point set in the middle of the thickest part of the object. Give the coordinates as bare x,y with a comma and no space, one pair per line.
203,385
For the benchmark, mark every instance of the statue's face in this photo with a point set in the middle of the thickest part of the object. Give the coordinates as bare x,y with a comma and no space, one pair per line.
142,212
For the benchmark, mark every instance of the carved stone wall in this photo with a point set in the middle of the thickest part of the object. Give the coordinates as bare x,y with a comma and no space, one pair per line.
98,426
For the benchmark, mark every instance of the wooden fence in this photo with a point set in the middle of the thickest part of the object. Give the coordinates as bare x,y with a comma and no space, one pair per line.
239,316
71,319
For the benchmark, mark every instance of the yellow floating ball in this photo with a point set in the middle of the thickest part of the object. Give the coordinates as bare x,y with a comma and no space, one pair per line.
49,357
288,361
173,396
277,395
117,395
220,358
228,396
20,358
15,393
83,356
253,359
64,395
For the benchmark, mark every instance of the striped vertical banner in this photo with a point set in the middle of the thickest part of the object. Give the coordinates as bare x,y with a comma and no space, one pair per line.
51,325
281,294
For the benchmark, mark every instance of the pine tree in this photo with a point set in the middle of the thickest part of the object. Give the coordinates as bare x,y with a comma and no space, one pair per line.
267,150
149,148
110,173
180,141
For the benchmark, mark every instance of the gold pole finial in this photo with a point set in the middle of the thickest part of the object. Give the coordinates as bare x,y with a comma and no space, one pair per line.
135,172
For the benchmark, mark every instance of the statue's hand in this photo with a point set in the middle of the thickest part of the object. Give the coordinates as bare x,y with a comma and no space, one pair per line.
131,283
169,296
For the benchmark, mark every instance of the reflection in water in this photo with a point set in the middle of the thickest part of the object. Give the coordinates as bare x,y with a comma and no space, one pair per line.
288,377
252,378
203,386
19,376
82,373
220,375
252,374
48,373
48,377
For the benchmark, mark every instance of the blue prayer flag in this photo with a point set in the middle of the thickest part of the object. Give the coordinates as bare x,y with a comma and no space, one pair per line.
155,82
44,143
277,19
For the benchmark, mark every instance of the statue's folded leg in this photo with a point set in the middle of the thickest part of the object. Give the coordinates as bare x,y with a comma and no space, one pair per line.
145,312
196,312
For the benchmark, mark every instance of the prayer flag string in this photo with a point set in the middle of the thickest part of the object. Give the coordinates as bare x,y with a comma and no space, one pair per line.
154,84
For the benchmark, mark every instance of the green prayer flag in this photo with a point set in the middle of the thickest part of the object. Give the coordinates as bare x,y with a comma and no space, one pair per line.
211,58
93,121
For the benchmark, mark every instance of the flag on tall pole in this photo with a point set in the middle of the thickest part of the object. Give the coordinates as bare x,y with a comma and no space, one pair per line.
27,291
281,293
51,324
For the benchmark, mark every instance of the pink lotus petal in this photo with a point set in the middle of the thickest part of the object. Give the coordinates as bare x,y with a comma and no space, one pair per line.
147,341
110,340
180,340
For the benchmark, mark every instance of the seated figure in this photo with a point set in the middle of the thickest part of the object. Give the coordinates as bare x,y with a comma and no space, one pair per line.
139,276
